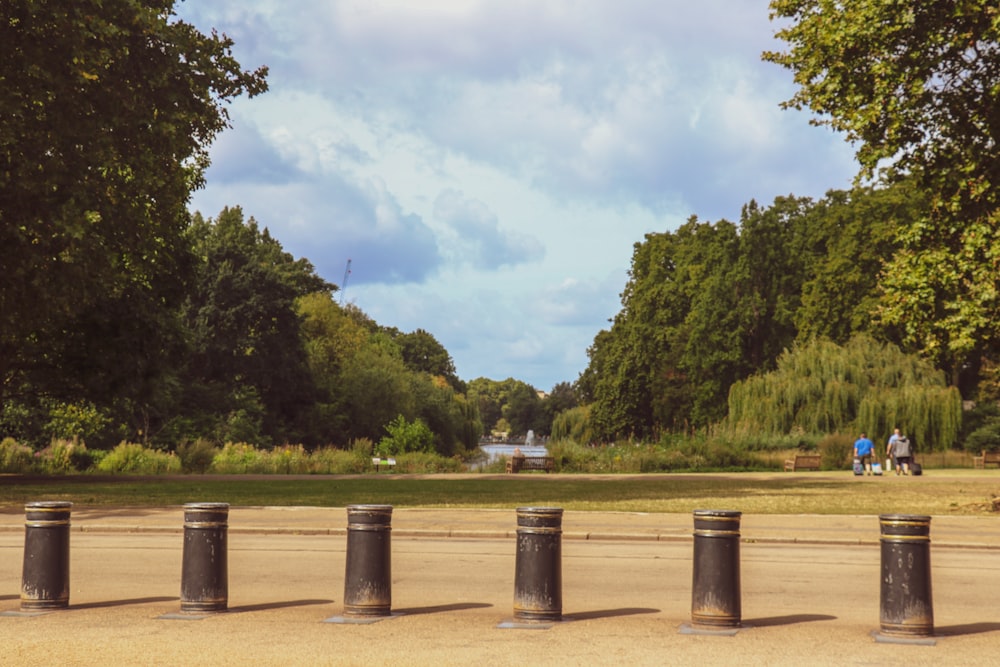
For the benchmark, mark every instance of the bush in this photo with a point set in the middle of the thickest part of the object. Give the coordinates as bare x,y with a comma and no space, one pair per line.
64,456
288,460
333,461
405,436
15,458
425,463
129,457
986,437
196,456
238,457
836,452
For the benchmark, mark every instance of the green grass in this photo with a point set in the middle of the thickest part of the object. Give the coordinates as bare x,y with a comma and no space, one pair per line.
937,492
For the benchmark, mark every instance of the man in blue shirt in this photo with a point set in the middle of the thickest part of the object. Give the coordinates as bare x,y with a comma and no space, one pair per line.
863,448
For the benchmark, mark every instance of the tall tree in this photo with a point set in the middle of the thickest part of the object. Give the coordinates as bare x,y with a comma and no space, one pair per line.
423,353
913,86
243,319
910,83
108,111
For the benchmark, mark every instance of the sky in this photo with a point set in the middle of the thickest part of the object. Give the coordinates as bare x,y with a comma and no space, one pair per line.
487,166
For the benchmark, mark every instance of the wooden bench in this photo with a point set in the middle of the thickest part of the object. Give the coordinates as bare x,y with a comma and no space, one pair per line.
803,462
378,462
516,464
986,459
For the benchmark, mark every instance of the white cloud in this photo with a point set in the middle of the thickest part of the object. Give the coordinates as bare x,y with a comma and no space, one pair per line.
487,165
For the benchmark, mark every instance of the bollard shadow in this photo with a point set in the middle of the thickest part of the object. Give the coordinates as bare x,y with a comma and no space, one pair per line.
442,608
608,613
91,514
275,605
967,629
790,619
118,603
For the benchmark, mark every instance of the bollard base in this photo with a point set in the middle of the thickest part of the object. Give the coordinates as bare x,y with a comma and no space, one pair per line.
359,620
689,629
882,638
516,624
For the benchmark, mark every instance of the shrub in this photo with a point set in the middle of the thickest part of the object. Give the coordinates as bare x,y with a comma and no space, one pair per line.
426,462
985,437
130,457
362,447
64,456
238,457
836,452
405,436
15,458
288,459
196,456
333,461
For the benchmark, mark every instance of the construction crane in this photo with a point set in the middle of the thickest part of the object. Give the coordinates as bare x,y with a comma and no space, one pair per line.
343,283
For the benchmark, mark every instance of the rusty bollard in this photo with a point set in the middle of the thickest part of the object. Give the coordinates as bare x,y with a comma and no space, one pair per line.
538,565
205,568
45,576
368,577
715,590
906,608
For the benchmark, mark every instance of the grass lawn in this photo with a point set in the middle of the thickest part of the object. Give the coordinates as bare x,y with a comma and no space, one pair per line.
936,492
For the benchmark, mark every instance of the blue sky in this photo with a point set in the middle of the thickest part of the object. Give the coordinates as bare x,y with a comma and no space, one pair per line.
488,165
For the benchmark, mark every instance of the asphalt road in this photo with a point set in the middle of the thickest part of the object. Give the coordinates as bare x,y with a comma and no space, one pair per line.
624,602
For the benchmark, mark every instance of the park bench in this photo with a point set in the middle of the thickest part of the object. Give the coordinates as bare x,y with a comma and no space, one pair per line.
986,459
803,462
378,462
516,464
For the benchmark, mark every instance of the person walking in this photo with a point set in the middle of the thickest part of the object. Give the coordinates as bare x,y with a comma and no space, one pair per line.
863,450
902,452
888,450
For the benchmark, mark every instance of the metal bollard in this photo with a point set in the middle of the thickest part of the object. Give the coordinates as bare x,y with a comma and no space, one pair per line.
368,579
45,576
715,591
538,566
205,569
906,608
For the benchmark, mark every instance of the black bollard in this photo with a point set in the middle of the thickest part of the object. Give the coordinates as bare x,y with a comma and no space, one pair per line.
538,565
45,576
368,577
715,592
906,608
204,568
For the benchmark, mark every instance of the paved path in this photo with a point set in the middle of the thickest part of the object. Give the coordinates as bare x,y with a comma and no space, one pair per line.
810,592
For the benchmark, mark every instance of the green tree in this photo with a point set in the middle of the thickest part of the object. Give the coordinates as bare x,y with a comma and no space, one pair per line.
909,83
489,397
107,115
561,398
852,242
244,327
423,353
524,411
821,387
376,389
913,85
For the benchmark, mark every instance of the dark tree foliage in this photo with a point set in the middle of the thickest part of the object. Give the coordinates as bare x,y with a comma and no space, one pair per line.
243,323
107,113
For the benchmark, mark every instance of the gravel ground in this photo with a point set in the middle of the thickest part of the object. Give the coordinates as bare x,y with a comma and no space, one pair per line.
810,594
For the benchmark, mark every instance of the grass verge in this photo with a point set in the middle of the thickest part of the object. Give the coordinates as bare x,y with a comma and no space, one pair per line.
937,492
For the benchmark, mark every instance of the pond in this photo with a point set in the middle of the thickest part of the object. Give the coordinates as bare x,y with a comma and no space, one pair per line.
495,451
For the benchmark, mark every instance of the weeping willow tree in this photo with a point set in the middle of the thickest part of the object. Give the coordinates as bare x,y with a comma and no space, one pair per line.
821,387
